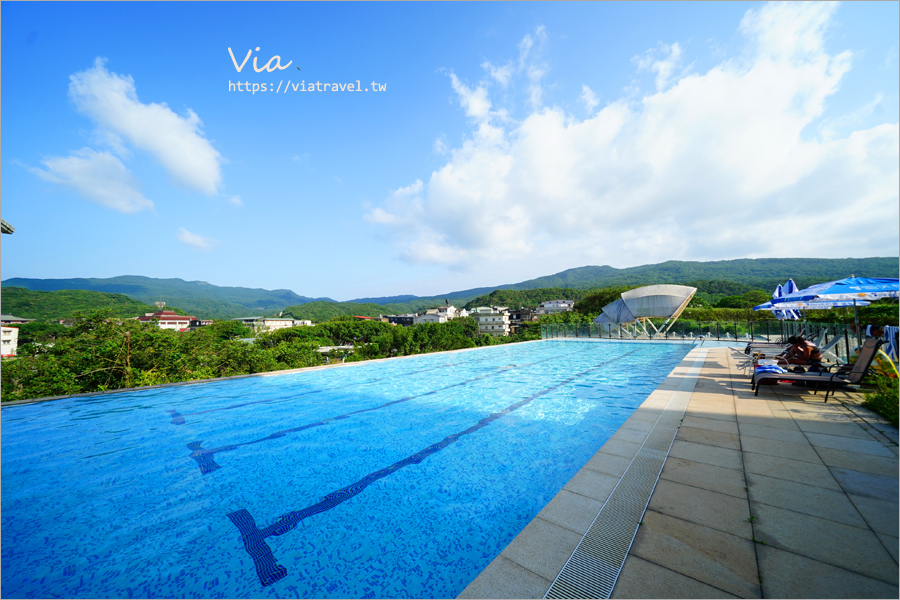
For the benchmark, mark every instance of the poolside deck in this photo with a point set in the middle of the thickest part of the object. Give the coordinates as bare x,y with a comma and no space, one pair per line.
775,496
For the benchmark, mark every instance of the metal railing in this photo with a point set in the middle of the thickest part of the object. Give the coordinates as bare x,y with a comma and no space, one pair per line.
737,331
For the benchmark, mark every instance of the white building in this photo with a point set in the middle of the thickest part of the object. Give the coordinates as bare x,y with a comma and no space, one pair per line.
492,320
451,312
167,319
10,341
272,323
432,315
555,306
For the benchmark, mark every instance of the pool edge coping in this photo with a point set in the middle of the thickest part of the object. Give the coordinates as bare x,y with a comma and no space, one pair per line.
602,464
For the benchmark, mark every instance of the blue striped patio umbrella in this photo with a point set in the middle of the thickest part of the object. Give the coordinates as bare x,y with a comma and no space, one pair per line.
852,289
783,315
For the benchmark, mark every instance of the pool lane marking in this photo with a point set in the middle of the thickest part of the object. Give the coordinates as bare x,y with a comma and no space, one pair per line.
204,456
254,539
178,418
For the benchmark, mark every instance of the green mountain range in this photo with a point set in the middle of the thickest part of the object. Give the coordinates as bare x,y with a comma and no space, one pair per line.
716,278
29,304
198,298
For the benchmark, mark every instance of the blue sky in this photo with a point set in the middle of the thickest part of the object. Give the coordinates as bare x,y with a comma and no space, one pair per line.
511,141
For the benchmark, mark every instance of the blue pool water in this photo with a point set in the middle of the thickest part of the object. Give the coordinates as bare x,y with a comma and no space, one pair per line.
400,478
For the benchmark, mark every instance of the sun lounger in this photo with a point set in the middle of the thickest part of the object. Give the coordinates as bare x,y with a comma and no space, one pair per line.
847,375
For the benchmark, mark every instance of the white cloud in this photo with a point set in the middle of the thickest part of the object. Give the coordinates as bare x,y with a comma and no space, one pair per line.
177,142
589,98
501,75
714,165
236,200
97,176
474,101
665,66
195,240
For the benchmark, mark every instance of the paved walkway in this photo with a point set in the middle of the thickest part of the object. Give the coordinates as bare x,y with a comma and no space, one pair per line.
775,496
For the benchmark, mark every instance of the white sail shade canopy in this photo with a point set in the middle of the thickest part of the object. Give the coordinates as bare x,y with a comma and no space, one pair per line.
648,302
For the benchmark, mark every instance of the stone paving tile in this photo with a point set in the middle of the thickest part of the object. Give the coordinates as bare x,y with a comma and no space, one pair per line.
592,484
642,414
709,437
880,487
542,548
621,448
880,515
711,406
609,464
709,413
703,507
891,543
644,579
711,455
788,575
711,424
767,421
802,498
880,465
840,426
834,442
572,511
635,436
505,579
849,547
708,477
792,470
707,555
782,434
638,425
781,449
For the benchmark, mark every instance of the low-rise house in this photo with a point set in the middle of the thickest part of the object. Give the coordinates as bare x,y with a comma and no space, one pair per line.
555,306
272,323
432,315
11,320
492,320
405,320
450,311
167,319
519,316
10,341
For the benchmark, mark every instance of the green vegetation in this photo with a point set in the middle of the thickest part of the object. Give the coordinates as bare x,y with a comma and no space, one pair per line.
319,312
884,398
713,280
525,298
104,352
764,273
881,312
198,298
29,304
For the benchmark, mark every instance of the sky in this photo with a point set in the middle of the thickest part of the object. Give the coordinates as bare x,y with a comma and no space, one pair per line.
377,149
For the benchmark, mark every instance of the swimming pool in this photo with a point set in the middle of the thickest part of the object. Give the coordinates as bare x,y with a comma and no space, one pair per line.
400,478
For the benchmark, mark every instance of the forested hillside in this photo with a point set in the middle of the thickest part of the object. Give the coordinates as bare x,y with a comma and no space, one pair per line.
714,280
29,304
196,297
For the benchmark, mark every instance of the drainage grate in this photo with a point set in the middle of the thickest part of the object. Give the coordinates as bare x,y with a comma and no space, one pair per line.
594,566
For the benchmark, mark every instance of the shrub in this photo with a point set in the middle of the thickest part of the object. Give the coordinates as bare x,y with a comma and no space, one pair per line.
884,398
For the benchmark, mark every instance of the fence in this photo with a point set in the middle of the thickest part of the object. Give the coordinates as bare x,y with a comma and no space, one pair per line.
737,331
